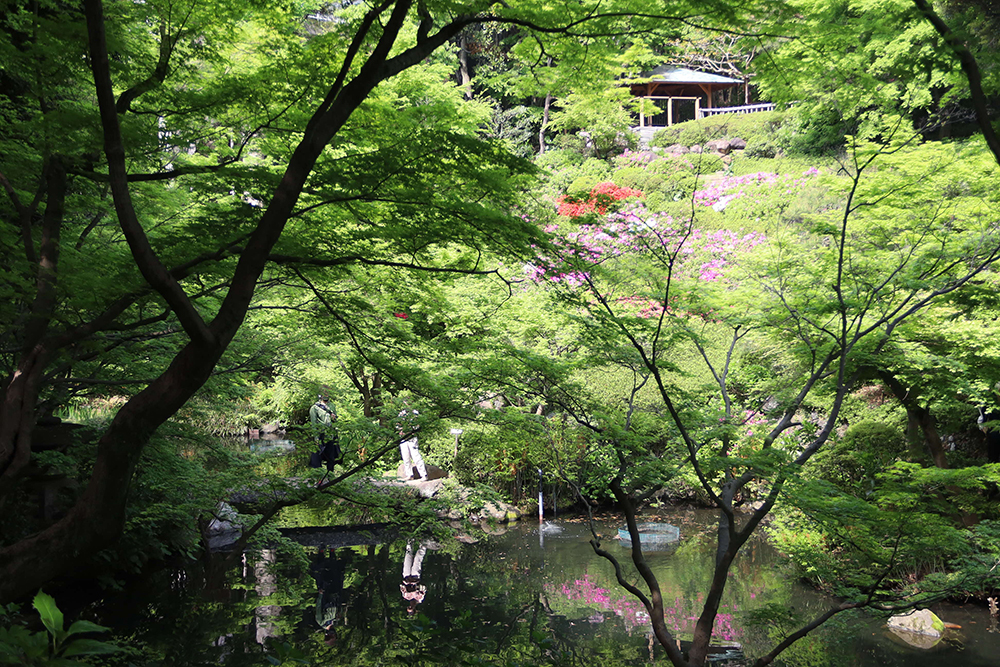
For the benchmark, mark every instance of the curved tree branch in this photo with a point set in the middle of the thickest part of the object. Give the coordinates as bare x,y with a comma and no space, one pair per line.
971,69
142,252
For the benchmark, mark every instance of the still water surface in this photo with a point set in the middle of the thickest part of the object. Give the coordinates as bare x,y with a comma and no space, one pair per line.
520,597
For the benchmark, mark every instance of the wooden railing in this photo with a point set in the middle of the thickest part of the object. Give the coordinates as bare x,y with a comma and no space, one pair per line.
646,120
749,108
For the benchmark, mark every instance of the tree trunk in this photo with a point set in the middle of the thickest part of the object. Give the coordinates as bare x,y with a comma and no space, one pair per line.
545,123
17,412
545,117
463,65
921,431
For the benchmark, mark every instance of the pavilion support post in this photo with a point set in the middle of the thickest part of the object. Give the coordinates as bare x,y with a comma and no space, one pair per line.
670,111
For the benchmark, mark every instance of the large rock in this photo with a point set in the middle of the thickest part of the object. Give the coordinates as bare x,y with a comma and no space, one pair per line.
433,472
737,144
224,528
677,149
919,622
718,145
500,512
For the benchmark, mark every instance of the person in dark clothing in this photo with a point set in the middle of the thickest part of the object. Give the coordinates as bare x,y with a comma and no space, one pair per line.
322,417
328,572
989,424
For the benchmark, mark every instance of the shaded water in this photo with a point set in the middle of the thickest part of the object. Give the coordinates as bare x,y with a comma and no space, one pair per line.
522,597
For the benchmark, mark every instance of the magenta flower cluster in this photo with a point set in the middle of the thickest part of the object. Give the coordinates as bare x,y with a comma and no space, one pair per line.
736,187
721,246
752,418
695,253
680,616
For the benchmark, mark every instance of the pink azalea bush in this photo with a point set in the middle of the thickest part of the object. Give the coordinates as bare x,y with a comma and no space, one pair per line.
695,253
758,194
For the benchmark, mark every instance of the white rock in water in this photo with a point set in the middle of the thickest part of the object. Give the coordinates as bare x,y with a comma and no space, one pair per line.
921,622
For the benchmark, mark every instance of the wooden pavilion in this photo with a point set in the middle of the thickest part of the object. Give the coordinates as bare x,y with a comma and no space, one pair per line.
671,84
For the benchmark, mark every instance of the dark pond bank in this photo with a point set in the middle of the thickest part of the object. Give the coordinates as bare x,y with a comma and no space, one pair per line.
521,597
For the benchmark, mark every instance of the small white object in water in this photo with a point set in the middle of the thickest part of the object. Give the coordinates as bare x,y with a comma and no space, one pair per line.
549,527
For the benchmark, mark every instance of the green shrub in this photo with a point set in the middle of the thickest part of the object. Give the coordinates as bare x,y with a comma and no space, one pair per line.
667,136
638,178
767,125
589,174
761,149
670,165
819,133
556,159
569,172
853,463
707,163
568,141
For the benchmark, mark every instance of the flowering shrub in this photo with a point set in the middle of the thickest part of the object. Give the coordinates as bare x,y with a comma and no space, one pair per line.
680,616
693,253
760,193
600,198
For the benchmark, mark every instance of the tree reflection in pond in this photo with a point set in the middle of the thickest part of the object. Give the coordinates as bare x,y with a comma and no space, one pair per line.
502,601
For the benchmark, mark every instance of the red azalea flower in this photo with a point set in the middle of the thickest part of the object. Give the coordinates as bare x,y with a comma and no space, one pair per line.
401,316
600,198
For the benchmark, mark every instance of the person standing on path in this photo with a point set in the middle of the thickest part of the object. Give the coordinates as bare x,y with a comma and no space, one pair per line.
409,446
322,418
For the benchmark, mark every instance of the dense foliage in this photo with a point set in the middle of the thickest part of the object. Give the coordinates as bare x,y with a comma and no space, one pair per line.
214,213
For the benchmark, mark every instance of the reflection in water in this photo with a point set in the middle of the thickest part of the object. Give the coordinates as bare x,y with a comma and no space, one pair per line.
681,614
266,587
413,591
269,444
500,601
328,571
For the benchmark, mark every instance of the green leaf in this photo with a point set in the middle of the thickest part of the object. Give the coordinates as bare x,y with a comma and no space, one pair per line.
79,627
89,647
51,616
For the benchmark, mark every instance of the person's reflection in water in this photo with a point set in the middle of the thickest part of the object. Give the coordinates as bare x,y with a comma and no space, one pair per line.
330,604
411,588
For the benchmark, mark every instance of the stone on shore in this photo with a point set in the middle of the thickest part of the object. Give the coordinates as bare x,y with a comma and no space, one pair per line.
920,628
433,472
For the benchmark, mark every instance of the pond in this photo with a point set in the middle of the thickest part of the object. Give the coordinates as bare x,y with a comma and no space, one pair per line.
518,597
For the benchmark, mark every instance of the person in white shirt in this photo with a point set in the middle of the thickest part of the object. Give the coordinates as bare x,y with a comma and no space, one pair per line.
409,446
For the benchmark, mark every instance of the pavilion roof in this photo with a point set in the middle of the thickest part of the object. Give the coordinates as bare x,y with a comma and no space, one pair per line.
671,74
